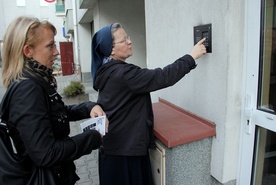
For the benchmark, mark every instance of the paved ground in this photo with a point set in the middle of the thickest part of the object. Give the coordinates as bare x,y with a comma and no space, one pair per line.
87,166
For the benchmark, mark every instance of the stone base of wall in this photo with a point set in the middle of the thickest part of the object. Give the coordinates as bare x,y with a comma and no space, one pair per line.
189,163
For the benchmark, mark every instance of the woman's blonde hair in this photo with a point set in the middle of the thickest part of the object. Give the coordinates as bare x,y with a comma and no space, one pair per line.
22,31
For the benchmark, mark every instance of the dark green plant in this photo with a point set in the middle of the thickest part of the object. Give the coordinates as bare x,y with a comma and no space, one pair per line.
73,89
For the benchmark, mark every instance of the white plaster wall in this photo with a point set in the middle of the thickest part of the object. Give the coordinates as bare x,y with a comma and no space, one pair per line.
213,89
32,8
2,20
85,40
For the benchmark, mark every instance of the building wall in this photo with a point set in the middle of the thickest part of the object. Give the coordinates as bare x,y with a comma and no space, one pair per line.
37,8
2,20
162,31
85,39
213,89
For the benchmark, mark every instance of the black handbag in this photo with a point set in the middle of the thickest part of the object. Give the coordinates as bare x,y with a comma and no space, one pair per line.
15,169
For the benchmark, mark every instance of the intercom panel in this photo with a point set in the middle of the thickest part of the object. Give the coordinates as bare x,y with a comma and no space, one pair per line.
204,31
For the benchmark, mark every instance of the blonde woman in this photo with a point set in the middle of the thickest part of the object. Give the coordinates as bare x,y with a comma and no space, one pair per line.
34,112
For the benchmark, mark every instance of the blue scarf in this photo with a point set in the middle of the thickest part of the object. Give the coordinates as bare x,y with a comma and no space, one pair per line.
101,48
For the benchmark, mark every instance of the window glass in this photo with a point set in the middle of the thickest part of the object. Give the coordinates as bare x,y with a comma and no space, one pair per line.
267,69
264,171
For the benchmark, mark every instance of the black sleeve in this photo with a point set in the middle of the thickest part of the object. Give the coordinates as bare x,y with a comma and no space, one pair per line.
148,80
80,111
28,113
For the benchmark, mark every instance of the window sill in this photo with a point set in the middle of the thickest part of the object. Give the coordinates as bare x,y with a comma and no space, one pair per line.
175,126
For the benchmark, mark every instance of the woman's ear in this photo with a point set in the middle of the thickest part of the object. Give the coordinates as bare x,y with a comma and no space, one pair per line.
27,51
112,52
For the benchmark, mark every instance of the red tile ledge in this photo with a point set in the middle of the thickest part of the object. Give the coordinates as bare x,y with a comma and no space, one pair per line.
175,126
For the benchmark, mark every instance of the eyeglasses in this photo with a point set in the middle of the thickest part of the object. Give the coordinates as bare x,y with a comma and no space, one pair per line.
126,40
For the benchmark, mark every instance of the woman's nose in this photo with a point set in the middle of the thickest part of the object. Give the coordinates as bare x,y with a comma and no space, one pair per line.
56,52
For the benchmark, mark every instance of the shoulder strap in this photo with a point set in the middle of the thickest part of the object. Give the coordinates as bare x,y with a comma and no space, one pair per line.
9,93
5,101
4,133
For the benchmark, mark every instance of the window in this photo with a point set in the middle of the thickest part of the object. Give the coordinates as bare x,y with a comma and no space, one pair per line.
20,3
267,68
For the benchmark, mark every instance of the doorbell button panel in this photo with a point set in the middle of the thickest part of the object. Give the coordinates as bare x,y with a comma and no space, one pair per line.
204,31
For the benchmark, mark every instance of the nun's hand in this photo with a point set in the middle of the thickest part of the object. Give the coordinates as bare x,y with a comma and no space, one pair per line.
199,49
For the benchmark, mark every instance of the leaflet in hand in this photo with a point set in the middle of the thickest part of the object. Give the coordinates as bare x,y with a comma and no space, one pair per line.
97,123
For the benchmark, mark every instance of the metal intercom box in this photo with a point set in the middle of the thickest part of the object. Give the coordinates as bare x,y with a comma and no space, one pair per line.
204,31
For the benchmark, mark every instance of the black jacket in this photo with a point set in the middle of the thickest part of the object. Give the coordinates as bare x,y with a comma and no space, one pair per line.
38,122
124,93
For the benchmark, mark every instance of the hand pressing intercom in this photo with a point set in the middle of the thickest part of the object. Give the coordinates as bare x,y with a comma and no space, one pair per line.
204,31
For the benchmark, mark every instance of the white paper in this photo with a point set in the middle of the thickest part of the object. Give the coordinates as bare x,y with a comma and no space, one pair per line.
97,123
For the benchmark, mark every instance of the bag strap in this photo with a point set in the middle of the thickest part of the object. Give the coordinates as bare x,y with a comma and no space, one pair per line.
4,111
5,101
4,135
4,131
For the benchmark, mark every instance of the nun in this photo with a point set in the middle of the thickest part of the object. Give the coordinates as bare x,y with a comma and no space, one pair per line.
124,93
